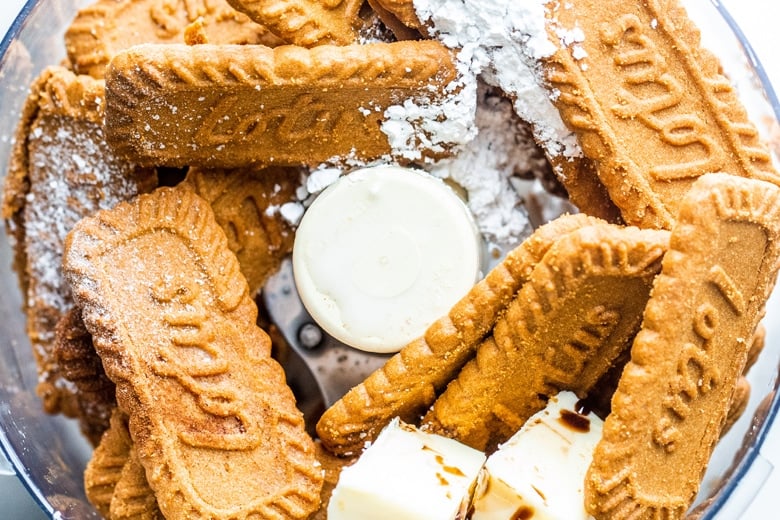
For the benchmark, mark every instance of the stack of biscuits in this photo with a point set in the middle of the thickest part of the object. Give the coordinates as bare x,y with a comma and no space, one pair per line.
144,201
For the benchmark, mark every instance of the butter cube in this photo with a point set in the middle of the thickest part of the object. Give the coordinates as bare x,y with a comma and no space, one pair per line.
540,472
409,474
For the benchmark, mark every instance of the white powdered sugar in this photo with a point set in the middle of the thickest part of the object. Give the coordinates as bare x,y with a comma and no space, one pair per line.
312,183
499,43
291,212
440,123
321,178
484,167
572,38
506,40
72,175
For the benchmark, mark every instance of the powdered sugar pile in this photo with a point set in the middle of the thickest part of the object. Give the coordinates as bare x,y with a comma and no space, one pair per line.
488,168
440,123
483,168
506,40
499,44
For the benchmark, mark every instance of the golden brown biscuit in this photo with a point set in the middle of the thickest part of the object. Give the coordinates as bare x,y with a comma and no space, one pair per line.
104,469
649,106
235,106
171,315
16,183
133,499
584,189
738,405
306,22
600,395
79,364
674,394
246,205
410,380
580,308
61,170
756,346
102,29
403,11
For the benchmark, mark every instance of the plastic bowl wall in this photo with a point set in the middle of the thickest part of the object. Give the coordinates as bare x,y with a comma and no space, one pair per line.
48,453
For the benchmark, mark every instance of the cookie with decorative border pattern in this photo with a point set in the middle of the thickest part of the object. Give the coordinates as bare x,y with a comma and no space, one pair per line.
580,308
246,203
61,170
674,394
210,413
104,468
306,22
411,380
648,104
100,30
225,106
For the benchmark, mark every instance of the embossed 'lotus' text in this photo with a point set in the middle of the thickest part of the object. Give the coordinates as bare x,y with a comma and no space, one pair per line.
306,118
566,361
652,95
697,373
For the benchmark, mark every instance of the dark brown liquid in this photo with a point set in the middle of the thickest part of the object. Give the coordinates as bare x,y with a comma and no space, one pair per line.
524,513
575,421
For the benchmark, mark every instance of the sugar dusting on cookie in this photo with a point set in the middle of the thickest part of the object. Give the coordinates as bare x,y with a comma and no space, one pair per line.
92,180
498,151
508,40
500,45
436,123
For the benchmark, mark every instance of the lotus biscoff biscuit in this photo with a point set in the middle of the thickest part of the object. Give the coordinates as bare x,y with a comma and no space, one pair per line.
674,395
224,106
247,119
102,29
79,365
61,170
104,468
579,309
133,499
247,205
170,315
648,104
306,22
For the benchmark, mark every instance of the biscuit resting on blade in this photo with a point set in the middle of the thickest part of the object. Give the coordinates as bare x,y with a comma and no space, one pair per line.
580,308
410,380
